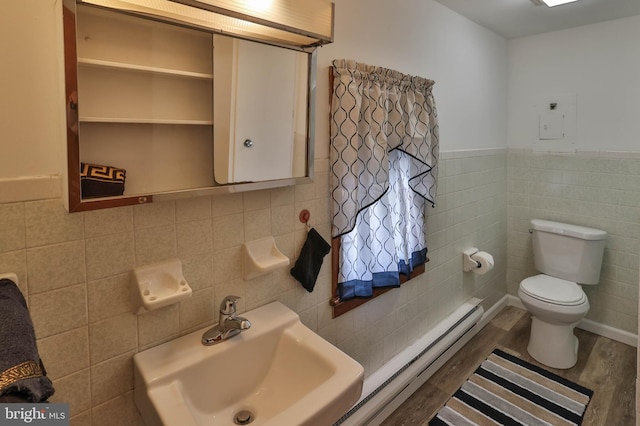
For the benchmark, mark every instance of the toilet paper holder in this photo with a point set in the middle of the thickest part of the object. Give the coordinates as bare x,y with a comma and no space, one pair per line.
469,264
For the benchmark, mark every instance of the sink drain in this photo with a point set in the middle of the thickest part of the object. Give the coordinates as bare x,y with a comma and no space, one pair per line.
243,417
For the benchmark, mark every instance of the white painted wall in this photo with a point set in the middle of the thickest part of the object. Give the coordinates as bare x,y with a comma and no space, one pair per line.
599,63
422,37
32,102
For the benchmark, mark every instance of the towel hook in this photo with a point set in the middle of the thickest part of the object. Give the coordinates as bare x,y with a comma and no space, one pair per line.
304,217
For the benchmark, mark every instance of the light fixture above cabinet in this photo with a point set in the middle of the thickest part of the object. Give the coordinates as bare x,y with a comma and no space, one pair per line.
552,3
295,24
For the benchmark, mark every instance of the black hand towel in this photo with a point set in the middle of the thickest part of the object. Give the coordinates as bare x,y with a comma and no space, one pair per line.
21,371
309,262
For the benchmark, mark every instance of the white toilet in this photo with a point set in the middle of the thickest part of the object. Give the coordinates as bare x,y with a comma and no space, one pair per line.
567,255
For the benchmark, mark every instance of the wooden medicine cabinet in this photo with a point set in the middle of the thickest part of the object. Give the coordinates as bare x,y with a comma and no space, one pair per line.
144,105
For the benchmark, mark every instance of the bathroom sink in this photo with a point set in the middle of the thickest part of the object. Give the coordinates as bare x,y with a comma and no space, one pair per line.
277,373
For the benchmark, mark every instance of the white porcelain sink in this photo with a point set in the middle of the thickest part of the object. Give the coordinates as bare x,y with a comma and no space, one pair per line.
278,370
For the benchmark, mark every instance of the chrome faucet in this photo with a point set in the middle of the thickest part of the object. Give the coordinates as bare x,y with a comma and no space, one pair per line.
228,323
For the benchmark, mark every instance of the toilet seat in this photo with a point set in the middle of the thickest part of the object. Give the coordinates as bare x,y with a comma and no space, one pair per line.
553,290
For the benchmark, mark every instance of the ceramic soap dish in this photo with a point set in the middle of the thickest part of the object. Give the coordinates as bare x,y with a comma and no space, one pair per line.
262,256
159,285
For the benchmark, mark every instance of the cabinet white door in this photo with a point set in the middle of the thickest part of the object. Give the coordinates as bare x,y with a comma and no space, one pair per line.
263,94
264,113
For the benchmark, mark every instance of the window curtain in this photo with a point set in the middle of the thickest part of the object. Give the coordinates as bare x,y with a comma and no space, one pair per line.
384,152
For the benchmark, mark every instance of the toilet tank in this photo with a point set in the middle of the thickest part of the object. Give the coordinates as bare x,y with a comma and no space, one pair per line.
567,251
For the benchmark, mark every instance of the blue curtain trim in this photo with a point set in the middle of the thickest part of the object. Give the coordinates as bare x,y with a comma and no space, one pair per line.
417,258
364,288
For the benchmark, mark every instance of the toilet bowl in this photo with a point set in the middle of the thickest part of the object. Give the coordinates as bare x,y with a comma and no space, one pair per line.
556,307
565,255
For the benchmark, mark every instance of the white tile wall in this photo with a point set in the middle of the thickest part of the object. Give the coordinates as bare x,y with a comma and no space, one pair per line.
74,270
598,190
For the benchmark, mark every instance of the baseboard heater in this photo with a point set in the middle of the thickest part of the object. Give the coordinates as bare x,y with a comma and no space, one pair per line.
389,386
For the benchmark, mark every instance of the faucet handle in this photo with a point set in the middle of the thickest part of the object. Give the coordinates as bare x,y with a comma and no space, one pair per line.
228,305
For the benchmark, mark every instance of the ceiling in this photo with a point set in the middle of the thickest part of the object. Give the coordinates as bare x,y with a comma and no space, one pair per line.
519,18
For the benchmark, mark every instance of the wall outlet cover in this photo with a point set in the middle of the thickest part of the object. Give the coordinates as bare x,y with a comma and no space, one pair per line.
554,118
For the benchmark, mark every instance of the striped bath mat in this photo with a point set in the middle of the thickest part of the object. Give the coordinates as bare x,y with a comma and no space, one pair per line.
506,390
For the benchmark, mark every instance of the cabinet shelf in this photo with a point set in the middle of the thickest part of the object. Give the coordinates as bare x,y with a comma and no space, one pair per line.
98,63
130,120
144,93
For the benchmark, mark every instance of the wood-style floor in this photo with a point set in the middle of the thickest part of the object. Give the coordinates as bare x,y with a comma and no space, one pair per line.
604,365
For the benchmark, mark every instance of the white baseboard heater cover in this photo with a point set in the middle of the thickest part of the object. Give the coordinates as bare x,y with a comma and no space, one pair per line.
389,386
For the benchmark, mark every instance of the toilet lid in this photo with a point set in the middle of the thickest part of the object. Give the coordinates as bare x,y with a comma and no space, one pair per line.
553,290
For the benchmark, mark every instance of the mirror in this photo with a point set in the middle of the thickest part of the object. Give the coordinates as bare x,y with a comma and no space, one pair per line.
174,110
260,111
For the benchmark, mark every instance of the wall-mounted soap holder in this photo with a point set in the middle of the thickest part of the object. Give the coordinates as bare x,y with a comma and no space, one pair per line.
260,257
159,285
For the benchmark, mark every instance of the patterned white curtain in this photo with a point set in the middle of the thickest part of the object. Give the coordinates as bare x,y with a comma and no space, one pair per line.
384,151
